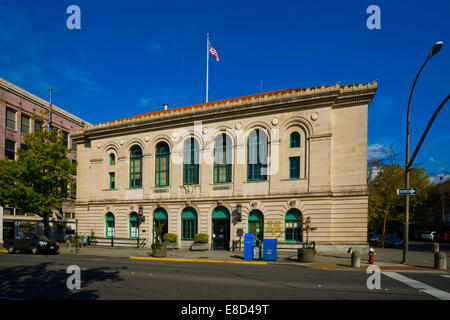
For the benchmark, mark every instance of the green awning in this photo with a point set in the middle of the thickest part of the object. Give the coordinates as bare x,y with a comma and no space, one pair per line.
109,217
255,215
293,214
133,216
189,213
221,213
160,213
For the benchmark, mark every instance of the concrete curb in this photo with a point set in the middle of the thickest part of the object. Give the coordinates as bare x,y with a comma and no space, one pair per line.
197,260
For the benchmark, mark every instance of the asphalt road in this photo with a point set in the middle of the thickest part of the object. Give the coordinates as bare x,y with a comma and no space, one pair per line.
24,276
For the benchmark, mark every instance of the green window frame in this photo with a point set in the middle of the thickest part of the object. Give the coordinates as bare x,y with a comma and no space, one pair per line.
257,147
222,159
256,224
11,118
110,225
134,226
294,168
294,140
293,226
136,167
191,161
112,159
162,164
112,180
189,224
24,123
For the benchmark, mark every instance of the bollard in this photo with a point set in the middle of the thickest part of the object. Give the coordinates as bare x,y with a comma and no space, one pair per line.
435,247
440,260
356,259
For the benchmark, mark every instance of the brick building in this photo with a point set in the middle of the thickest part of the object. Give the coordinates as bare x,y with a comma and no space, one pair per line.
16,108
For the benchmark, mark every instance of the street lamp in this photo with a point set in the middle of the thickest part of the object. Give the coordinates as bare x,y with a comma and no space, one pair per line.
436,48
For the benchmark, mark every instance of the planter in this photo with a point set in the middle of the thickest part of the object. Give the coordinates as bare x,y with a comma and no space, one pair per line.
171,245
160,252
199,246
306,255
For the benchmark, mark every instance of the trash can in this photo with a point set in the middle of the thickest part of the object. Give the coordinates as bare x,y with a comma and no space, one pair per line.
248,246
270,250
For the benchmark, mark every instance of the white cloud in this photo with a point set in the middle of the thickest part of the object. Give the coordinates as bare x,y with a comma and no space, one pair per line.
376,150
437,178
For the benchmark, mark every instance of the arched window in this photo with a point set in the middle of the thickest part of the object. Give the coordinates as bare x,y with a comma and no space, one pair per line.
109,225
134,226
191,159
160,220
293,225
136,167
112,159
222,158
189,224
257,156
162,164
256,224
295,140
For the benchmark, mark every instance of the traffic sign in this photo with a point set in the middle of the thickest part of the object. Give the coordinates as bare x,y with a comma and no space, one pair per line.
410,191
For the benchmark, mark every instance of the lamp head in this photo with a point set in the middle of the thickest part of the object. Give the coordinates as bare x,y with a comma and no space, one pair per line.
436,48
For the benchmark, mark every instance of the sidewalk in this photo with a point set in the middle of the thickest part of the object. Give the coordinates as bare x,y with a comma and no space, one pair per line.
386,259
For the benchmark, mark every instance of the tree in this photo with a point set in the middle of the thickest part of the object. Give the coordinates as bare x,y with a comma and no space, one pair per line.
383,198
40,178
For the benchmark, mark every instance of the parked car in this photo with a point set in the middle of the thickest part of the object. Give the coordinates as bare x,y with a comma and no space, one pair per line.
373,238
392,241
428,235
442,236
30,242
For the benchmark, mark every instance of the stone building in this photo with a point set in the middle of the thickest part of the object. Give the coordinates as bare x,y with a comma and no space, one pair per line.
256,164
17,107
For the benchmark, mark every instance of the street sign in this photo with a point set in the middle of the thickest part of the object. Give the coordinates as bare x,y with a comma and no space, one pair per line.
410,191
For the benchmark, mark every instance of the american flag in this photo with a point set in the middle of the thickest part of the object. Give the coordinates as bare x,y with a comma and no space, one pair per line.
214,52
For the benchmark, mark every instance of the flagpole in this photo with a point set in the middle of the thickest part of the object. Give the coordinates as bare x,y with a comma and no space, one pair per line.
207,66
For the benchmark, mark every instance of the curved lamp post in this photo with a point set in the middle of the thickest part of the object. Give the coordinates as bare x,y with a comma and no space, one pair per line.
436,48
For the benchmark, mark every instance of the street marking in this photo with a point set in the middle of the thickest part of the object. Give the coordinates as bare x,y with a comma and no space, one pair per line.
446,275
442,295
195,260
4,251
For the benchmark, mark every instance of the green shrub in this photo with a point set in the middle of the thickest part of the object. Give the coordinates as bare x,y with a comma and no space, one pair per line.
171,237
157,245
201,238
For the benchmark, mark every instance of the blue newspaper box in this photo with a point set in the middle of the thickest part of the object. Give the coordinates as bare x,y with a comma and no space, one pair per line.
270,250
248,246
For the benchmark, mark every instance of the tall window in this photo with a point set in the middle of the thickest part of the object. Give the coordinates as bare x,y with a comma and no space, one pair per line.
191,162
10,149
110,225
294,167
10,119
189,224
136,167
112,180
160,220
134,226
295,140
256,224
65,139
293,225
37,125
222,159
257,156
24,123
112,159
162,164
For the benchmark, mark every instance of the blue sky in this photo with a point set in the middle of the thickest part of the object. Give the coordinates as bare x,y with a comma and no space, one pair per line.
132,56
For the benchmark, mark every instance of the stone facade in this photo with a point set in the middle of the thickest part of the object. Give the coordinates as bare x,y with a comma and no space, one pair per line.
330,189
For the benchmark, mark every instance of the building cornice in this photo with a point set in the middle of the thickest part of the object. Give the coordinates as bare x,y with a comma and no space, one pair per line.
8,86
265,103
